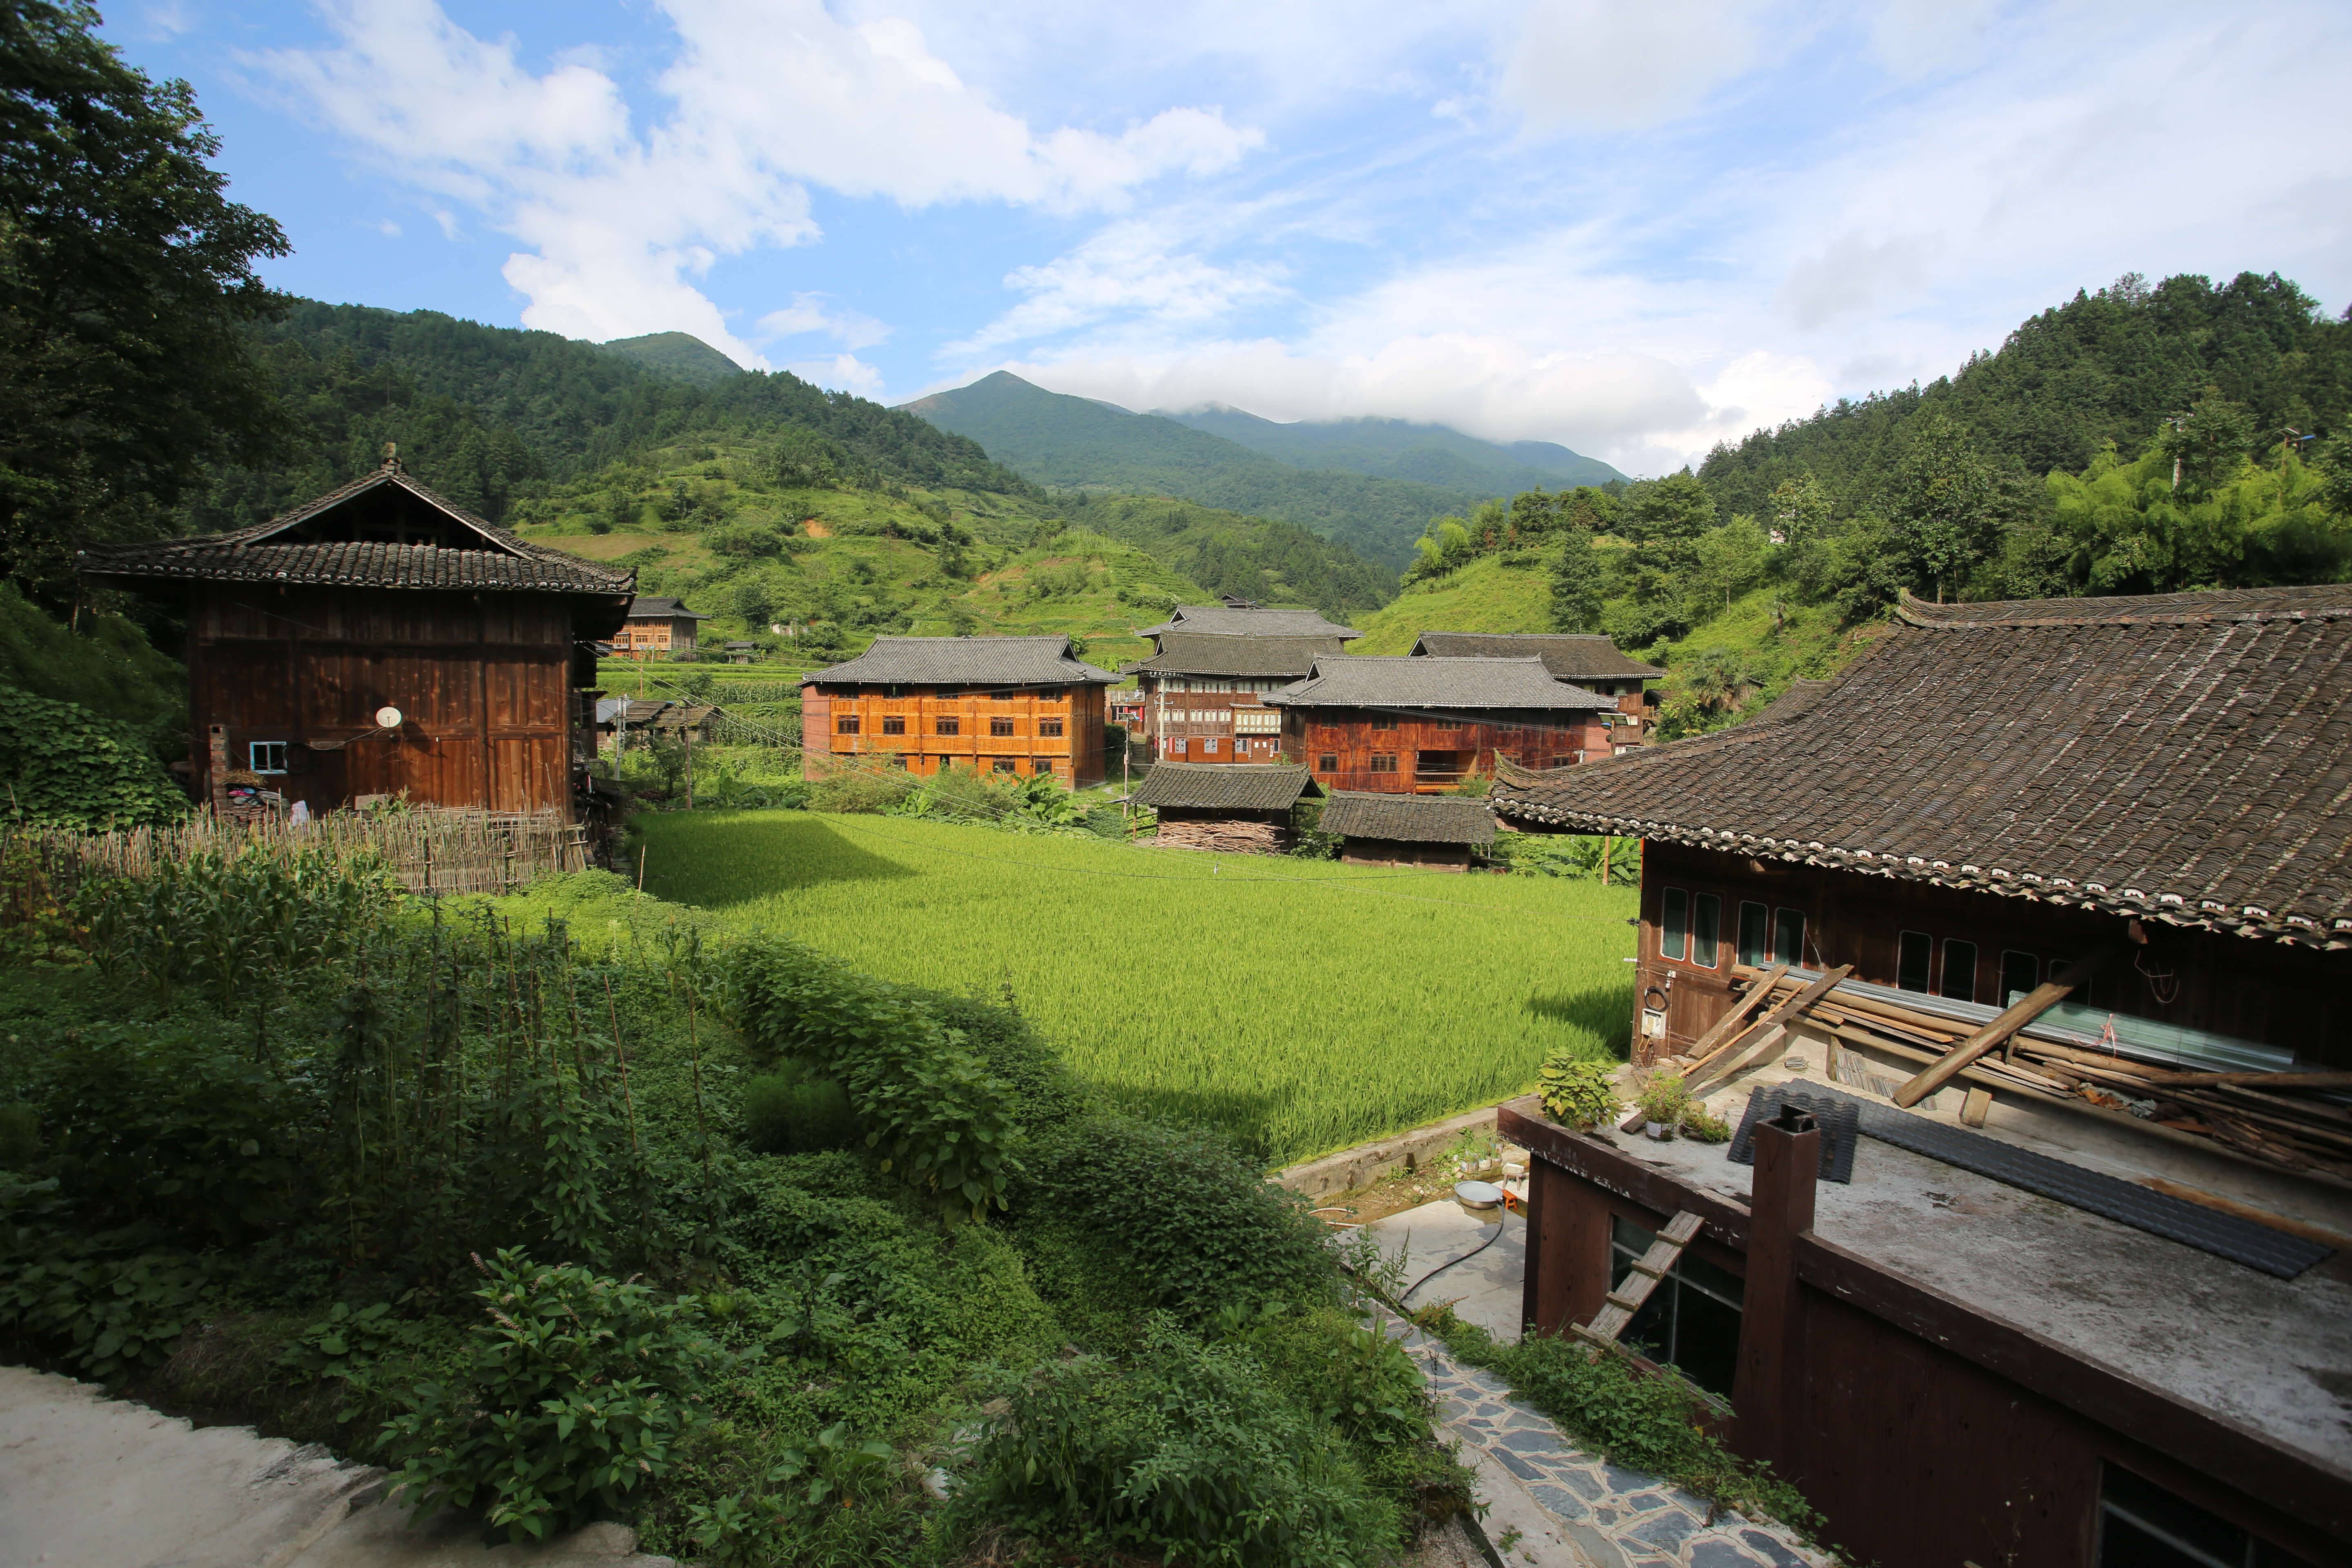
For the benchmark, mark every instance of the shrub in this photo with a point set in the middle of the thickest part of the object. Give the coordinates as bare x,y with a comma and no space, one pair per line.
574,1393
851,791
1576,1091
789,1113
1190,1454
63,764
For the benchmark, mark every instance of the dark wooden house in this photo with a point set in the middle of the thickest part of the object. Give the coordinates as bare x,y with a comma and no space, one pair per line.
1588,661
1023,706
1407,725
378,641
1238,806
1212,666
2063,880
1435,832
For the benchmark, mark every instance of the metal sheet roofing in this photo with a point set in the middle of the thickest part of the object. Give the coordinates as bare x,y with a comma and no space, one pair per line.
1426,681
1409,818
1227,620
1222,786
964,662
2184,757
1568,656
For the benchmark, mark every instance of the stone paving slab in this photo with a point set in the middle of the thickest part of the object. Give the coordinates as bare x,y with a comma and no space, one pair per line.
1614,1517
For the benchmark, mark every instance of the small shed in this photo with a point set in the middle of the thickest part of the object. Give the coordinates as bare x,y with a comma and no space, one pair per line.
1435,831
741,652
1231,807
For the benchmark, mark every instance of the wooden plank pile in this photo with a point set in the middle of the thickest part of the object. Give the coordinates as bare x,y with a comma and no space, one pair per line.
1236,836
2275,1117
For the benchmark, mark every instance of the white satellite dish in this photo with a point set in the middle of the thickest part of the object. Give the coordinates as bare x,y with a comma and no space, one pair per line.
387,718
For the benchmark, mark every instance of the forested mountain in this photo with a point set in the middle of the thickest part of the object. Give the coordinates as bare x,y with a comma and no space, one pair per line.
680,356
1257,558
1076,443
1399,449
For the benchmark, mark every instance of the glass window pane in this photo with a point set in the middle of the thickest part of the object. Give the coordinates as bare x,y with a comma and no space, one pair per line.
1911,964
1706,929
1788,937
2149,1525
2020,973
1706,1339
1960,970
1624,1233
1751,934
1674,924
1706,1277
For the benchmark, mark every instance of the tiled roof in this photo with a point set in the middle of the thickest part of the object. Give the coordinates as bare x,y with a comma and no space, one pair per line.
2184,757
1224,620
647,609
1413,818
1568,656
964,662
1800,700
1423,681
1222,786
246,555
1193,653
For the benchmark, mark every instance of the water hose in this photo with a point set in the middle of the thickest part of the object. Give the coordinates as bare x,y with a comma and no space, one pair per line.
1471,1196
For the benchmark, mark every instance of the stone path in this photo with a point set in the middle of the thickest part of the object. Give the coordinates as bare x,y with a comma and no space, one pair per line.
1588,1511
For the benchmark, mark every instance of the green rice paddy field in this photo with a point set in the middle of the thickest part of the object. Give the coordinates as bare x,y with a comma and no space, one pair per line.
1305,1005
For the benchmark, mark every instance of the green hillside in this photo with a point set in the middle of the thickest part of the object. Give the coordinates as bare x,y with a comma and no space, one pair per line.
1399,449
1076,443
677,356
1492,594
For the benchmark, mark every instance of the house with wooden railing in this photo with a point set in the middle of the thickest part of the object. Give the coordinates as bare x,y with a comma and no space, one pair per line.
1204,687
1407,725
1024,706
1588,661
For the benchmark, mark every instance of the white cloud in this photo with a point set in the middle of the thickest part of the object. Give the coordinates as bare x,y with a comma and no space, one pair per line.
1852,277
809,314
1607,65
621,222
843,373
1124,273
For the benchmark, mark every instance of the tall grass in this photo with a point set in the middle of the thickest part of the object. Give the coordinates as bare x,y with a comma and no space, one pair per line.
1303,1006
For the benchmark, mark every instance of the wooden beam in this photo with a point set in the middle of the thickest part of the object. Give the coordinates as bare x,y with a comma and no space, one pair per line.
2163,1080
1788,1009
1993,1034
1711,1043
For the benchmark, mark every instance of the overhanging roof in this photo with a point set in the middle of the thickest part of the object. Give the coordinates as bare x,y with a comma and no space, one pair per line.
1223,786
1408,818
1274,658
1424,681
964,662
1568,656
1227,620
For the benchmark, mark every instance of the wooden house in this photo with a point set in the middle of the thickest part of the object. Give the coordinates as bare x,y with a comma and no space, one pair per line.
1023,705
1244,806
1418,725
1212,666
742,652
1592,662
380,640
658,628
1438,833
2052,895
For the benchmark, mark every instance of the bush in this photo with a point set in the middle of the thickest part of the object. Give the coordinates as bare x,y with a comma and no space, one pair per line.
852,791
1190,1454
575,1392
789,1113
61,763
1576,1091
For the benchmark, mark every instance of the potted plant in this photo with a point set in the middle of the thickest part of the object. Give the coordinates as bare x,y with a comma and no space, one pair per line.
1663,1100
1576,1091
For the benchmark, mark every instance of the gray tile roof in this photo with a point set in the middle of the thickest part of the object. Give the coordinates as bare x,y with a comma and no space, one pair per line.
1426,681
246,555
2184,757
1412,818
964,662
1800,700
654,609
1193,653
1223,786
1224,620
1568,656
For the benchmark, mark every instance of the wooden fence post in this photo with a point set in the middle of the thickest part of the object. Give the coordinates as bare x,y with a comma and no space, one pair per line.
1771,1320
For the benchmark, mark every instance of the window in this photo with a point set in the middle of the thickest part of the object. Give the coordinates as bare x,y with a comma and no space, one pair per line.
1003,696
2141,1525
1383,763
1326,764
1049,727
1691,1321
1960,970
1381,722
1000,726
1788,937
1674,924
1706,929
950,726
1004,765
1911,961
946,694
2020,973
1210,745
1561,762
1751,934
846,725
266,756
894,724
1043,766
1051,695
896,760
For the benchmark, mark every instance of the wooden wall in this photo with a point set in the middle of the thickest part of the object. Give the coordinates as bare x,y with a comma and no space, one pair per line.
482,682
1075,756
1355,851
2264,991
1350,739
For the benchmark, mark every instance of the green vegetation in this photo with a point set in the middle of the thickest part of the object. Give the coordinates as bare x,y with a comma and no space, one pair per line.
1373,1053
1399,449
60,762
677,356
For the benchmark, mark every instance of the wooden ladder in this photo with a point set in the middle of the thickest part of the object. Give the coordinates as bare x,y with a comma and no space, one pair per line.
1648,1269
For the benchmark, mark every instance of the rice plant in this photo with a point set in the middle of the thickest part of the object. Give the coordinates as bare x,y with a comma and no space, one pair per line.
1305,1006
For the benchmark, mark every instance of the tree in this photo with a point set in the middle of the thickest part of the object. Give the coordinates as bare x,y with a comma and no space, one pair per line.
126,284
1676,508
2208,444
1941,514
1719,680
1731,560
1578,584
1801,510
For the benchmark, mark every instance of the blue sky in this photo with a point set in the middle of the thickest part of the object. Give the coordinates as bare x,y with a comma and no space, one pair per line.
1634,229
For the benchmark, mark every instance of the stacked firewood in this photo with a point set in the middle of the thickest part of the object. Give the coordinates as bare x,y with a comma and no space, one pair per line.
1236,837
2276,1117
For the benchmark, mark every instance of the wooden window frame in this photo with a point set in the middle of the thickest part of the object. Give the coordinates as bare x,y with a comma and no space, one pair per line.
1383,757
1781,918
1004,765
1700,902
1944,968
845,724
947,724
1928,971
1673,909
253,750
1324,763
1000,728
894,723
1763,934
1050,728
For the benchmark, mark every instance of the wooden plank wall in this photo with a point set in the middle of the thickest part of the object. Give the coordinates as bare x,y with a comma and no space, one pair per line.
1075,756
2264,991
482,682
1351,739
